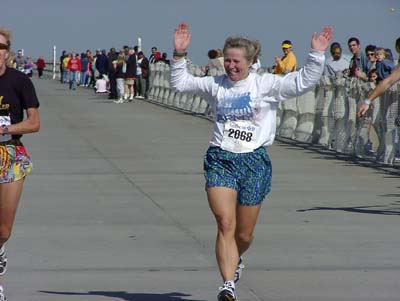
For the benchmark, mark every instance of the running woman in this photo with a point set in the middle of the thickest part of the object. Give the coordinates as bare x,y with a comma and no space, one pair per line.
237,167
16,95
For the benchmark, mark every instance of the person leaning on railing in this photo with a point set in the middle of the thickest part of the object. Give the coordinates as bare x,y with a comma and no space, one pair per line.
382,87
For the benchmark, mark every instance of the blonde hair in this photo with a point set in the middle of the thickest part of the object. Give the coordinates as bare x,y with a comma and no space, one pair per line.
6,33
252,48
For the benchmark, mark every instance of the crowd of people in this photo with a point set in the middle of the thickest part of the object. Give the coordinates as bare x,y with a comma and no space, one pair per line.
123,74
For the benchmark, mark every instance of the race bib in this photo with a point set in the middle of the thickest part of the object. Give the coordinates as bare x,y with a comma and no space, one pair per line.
239,136
5,120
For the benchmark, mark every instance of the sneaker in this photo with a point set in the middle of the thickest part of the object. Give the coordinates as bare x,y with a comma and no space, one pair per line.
140,97
2,296
226,293
239,270
126,96
131,97
3,261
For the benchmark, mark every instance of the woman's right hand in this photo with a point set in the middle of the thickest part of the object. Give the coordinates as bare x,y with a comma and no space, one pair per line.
181,37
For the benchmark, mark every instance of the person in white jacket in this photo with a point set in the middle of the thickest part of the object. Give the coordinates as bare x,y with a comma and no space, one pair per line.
237,167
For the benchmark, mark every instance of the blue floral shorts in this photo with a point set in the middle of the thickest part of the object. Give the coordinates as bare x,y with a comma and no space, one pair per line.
249,174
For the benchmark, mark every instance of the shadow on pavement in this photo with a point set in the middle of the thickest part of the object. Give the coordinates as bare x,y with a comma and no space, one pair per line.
174,296
358,209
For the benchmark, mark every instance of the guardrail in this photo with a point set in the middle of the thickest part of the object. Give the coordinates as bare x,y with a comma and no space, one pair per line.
324,116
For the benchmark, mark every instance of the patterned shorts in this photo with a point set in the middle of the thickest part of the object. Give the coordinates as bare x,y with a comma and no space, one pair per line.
15,163
249,174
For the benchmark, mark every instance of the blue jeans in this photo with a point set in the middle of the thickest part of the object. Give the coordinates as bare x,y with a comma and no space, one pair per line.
83,78
72,79
65,78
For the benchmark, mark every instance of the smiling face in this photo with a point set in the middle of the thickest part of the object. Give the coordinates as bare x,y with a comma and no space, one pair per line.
354,47
236,65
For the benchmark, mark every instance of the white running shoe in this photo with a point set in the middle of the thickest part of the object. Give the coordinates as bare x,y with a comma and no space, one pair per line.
2,296
239,270
226,293
131,97
3,261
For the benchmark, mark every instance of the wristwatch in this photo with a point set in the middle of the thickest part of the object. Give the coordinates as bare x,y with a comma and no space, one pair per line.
5,129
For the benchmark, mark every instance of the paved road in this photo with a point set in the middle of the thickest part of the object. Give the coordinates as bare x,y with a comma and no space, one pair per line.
115,210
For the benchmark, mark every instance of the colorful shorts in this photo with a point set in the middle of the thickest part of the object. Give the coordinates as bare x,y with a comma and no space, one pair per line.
249,174
15,163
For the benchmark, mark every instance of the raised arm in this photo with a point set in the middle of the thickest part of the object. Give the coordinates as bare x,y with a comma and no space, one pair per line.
322,41
379,89
181,41
299,82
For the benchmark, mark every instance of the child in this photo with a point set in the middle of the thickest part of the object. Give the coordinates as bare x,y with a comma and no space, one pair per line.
101,85
372,76
384,66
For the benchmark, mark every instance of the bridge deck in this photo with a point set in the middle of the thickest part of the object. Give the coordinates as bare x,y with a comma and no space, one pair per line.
115,210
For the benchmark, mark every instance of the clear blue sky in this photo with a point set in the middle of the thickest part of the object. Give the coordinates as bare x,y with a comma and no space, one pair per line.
77,25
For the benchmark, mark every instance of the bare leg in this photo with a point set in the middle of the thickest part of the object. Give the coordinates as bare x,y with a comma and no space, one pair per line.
222,202
246,219
10,194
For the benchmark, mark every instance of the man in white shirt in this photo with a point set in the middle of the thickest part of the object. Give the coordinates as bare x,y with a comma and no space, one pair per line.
338,63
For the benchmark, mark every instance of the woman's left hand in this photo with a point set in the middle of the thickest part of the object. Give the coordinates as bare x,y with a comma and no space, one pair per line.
322,41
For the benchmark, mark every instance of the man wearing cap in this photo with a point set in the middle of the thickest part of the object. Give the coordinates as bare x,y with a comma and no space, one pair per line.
288,62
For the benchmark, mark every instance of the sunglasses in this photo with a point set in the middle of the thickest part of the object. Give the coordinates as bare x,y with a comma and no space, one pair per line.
371,54
3,46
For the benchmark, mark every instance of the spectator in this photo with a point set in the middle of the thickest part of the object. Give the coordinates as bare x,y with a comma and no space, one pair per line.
29,66
389,54
384,67
130,75
101,84
62,70
358,66
112,58
102,62
40,65
92,67
155,55
372,76
164,59
144,77
84,69
214,61
370,53
288,62
20,61
119,76
74,66
138,83
338,62
65,61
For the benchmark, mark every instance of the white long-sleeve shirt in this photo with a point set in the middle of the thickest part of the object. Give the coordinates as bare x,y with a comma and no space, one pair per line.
245,111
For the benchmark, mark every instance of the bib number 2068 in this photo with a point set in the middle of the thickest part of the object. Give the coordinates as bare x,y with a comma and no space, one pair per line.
241,135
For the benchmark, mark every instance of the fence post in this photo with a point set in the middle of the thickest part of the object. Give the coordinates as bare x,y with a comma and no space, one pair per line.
54,61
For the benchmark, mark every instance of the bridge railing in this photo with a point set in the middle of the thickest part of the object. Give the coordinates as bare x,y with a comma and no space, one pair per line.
325,116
